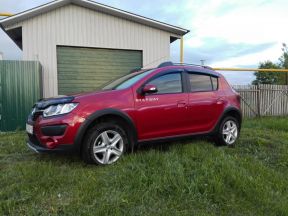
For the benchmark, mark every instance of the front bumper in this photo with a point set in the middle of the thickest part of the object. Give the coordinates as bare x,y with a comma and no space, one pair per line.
34,144
41,149
53,134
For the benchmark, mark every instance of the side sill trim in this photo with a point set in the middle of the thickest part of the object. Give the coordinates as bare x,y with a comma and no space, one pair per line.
174,137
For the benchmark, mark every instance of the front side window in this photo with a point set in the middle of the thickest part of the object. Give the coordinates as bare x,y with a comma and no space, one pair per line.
126,81
168,83
200,82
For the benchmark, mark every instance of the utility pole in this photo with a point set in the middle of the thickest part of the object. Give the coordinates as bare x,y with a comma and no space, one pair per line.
182,50
202,62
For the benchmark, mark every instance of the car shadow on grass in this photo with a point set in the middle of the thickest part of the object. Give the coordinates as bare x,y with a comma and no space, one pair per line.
63,157
166,145
161,145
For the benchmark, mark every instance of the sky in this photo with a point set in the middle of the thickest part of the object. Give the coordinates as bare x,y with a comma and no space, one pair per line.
224,33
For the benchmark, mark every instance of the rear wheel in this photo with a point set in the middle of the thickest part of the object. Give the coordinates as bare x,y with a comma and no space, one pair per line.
228,132
104,144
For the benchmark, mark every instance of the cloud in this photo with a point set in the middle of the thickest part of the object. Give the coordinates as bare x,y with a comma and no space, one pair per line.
236,22
226,33
7,46
234,34
219,53
15,6
216,50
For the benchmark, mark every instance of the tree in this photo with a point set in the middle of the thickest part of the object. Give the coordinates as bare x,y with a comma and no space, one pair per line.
267,77
284,63
273,77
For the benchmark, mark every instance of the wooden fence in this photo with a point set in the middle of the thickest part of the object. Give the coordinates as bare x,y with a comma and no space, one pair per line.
263,100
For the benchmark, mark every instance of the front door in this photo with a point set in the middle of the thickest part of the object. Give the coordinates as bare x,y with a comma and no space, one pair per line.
162,114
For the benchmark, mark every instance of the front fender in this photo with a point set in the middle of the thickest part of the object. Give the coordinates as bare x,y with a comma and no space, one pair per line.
104,112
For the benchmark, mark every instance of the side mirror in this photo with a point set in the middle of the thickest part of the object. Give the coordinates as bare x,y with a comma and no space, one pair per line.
149,89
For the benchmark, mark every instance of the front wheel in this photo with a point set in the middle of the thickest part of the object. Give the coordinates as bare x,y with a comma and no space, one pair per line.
104,144
228,132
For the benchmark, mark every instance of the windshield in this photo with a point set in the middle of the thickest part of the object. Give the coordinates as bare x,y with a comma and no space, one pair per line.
126,81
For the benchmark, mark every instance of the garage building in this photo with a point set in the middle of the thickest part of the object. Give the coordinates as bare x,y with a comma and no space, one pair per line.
82,44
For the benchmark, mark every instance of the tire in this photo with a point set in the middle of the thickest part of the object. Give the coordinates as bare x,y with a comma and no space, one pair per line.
228,132
104,144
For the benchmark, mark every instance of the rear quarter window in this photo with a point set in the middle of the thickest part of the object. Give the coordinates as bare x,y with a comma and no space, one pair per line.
214,83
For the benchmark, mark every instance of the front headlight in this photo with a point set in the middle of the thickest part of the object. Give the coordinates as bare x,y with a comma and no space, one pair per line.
59,109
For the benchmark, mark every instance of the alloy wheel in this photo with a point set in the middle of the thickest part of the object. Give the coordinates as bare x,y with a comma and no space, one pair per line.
108,147
230,132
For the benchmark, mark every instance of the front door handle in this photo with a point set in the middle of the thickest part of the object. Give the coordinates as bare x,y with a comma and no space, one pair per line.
181,103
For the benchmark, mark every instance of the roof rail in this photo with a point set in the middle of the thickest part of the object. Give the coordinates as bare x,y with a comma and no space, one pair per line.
169,63
165,64
186,64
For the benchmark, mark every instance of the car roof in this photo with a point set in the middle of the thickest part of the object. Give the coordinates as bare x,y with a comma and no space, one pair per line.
187,67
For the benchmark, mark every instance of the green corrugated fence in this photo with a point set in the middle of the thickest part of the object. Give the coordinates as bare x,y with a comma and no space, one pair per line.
20,88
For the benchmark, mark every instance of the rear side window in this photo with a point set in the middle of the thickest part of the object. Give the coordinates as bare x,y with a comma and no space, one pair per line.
202,82
168,83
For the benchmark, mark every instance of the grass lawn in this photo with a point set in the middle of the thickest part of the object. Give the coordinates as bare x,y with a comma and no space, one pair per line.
190,177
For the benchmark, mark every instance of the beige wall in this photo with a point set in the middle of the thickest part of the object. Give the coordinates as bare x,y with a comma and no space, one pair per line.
72,25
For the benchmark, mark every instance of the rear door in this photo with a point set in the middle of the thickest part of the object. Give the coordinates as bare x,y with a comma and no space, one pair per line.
163,114
204,102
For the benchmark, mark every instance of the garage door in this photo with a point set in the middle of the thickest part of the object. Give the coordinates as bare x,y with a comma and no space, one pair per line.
86,69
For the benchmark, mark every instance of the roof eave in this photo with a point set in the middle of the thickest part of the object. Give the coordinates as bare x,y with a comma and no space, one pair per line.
97,7
33,12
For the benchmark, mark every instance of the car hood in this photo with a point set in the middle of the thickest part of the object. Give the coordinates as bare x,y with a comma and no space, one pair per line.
61,99
85,94
46,102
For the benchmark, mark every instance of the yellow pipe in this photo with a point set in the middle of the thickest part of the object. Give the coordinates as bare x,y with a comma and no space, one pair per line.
6,14
250,69
181,50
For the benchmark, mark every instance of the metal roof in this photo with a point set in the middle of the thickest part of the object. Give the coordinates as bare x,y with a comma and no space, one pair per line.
93,6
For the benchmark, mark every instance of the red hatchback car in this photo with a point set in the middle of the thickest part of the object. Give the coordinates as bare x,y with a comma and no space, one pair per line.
173,100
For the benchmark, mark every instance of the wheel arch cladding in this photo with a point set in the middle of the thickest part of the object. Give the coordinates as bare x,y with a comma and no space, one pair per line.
106,115
229,111
236,113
